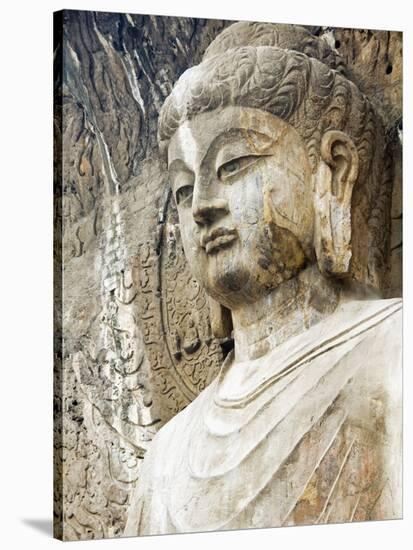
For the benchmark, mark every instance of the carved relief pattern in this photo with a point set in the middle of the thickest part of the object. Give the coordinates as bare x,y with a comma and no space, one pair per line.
115,381
99,470
137,343
195,354
148,354
183,355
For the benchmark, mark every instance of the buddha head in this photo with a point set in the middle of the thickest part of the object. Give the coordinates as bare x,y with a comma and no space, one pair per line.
276,161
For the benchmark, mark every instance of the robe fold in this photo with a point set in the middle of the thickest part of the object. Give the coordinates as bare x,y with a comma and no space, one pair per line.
313,438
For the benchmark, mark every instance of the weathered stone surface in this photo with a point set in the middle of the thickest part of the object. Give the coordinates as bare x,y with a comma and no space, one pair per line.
138,337
137,343
283,178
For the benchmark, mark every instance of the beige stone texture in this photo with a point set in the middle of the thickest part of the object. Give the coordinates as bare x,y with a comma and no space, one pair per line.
228,244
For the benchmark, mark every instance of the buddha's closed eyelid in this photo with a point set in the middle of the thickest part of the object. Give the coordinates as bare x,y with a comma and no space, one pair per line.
236,165
182,185
183,195
241,144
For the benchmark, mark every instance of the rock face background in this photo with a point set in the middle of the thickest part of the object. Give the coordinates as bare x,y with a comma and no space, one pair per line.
133,342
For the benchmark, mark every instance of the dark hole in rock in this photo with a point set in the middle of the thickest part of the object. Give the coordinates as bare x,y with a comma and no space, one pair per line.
389,68
337,44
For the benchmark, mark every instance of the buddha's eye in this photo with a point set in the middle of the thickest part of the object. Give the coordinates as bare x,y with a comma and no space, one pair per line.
183,195
235,166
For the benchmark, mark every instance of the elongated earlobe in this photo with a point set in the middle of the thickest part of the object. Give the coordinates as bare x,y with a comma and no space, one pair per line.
334,182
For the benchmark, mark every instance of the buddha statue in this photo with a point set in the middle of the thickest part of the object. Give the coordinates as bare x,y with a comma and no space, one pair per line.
278,166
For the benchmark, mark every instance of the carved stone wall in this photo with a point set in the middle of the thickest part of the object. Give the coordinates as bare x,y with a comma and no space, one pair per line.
133,342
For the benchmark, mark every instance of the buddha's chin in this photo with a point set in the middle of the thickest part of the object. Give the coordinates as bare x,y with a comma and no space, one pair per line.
226,282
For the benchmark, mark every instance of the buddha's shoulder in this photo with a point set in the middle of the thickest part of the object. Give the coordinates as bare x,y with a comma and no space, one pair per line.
179,425
378,356
378,324
370,317
370,308
384,318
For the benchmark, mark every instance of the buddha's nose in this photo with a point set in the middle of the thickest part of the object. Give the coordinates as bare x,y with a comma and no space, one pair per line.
207,211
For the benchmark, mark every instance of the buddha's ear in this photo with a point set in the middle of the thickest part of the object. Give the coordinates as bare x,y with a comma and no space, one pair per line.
334,182
221,319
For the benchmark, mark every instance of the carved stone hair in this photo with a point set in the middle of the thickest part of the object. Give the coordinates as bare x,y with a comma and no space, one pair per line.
296,76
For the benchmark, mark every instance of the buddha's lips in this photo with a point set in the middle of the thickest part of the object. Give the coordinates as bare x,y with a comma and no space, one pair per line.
218,238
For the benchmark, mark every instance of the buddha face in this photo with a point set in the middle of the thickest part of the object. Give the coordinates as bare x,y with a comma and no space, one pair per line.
241,180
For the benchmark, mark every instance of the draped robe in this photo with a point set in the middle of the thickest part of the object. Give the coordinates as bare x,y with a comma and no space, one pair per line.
314,438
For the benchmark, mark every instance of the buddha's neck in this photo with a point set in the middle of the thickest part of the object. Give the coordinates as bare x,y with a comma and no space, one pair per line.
290,309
